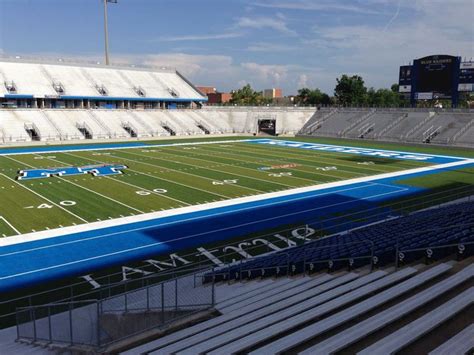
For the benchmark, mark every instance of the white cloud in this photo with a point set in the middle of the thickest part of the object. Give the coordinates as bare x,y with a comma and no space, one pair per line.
270,47
189,64
271,74
199,37
311,5
303,81
277,23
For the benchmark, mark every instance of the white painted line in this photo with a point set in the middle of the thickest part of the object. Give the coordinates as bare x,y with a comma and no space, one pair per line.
10,225
159,178
226,203
168,241
125,147
207,168
44,198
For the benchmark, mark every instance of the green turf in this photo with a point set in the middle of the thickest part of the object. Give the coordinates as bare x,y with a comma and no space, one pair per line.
190,175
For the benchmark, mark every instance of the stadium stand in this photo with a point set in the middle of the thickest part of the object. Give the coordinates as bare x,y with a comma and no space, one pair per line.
128,103
48,80
311,312
338,291
428,229
283,315
406,335
452,127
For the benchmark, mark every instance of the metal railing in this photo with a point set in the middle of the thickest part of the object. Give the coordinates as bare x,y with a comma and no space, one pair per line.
114,283
310,263
98,323
431,253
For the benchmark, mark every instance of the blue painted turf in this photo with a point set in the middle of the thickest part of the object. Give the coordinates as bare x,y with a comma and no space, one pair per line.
30,263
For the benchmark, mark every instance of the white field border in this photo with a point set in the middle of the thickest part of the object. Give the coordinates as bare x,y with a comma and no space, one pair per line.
53,233
158,145
144,146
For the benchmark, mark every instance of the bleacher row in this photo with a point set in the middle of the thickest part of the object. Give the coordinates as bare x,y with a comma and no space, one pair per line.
379,244
359,309
44,80
329,313
404,125
77,124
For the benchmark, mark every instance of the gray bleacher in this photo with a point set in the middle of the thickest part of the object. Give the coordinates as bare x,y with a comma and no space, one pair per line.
288,342
465,137
362,329
450,124
273,302
416,329
256,317
376,124
451,127
461,343
338,122
410,123
304,311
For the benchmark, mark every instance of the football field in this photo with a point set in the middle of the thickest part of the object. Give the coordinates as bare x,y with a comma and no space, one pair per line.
157,178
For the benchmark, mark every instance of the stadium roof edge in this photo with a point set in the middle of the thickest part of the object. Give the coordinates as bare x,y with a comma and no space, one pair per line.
66,63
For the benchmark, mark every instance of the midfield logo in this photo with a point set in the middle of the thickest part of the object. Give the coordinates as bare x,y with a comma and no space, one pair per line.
94,170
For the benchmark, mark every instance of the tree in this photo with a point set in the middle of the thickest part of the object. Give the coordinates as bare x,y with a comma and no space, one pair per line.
307,96
350,91
246,96
383,98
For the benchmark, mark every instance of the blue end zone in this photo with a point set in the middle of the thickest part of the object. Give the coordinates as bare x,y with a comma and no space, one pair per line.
29,263
375,153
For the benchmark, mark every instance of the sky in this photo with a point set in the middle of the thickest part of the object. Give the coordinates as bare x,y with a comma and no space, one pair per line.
228,43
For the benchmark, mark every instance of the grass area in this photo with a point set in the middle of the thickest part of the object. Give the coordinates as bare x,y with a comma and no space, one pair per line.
164,178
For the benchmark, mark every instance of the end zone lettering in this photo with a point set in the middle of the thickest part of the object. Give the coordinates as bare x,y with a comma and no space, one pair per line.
94,170
338,149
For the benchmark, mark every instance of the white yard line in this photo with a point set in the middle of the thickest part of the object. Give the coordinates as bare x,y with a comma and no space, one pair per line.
288,159
101,195
156,177
135,186
218,171
193,156
329,155
44,198
168,241
295,156
84,188
226,203
183,172
10,225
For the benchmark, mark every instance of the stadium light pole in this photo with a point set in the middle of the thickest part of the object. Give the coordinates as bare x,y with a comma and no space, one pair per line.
106,30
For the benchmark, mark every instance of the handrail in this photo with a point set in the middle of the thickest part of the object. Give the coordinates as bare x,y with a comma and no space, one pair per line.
400,254
399,206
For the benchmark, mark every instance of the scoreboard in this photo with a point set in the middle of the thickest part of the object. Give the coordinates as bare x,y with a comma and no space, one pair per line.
436,77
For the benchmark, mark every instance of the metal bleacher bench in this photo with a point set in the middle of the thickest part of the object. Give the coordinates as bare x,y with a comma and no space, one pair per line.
362,329
416,329
257,316
461,343
295,339
286,314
